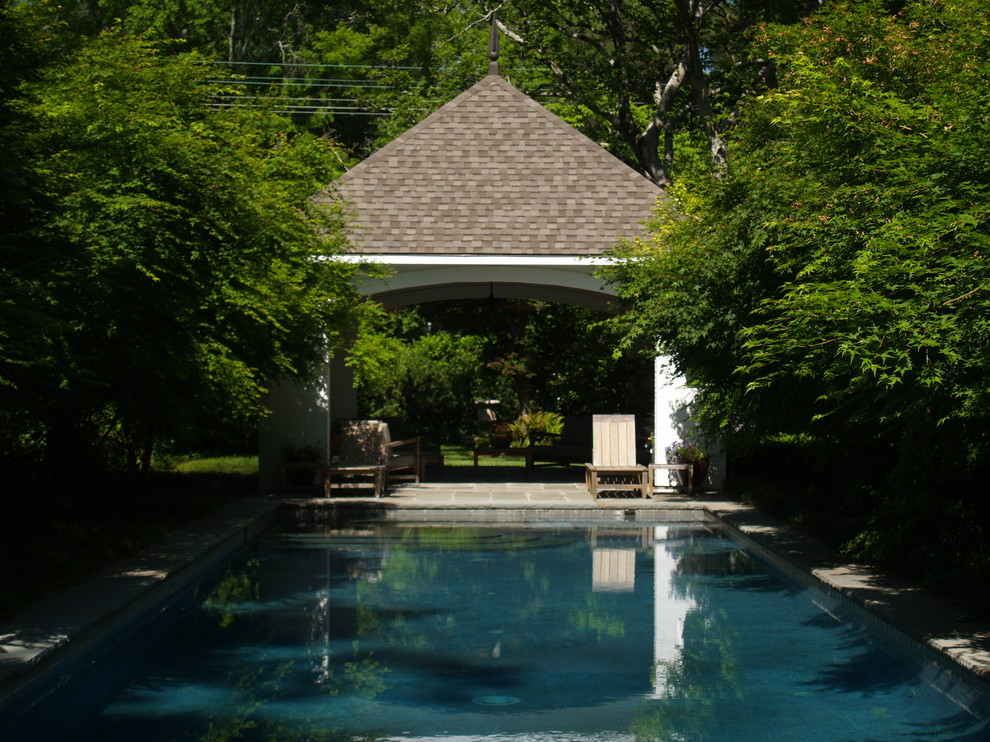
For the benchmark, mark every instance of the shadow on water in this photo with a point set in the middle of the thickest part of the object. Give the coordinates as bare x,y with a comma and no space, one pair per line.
868,672
958,728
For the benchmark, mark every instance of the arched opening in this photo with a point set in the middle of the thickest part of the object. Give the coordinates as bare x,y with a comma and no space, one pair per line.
308,413
468,362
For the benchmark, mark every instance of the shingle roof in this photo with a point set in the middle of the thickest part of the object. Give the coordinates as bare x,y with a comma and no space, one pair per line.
492,172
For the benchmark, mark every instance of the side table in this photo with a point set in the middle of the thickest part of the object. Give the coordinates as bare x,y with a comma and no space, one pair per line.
680,468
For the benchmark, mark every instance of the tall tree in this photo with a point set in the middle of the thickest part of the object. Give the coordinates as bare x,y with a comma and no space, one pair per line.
273,31
641,76
650,70
167,255
402,59
833,283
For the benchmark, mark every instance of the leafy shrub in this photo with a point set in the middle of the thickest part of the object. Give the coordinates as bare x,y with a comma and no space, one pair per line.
535,428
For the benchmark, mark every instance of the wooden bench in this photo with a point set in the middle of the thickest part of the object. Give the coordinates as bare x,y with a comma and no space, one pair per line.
679,468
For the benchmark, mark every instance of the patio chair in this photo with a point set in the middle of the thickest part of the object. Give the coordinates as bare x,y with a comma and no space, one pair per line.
362,463
430,454
613,469
403,455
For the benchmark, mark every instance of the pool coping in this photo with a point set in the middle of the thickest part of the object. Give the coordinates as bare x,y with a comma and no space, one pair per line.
909,616
42,642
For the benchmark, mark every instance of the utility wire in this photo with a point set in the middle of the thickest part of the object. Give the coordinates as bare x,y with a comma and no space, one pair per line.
311,64
349,106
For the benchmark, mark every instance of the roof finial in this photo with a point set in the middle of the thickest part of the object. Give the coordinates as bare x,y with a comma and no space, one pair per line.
493,47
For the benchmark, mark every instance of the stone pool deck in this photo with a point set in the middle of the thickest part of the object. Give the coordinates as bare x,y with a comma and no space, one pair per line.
54,632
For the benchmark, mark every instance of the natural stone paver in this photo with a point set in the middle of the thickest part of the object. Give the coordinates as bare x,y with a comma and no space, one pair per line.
507,494
61,627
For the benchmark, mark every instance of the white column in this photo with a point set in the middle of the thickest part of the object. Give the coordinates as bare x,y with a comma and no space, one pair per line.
672,401
300,415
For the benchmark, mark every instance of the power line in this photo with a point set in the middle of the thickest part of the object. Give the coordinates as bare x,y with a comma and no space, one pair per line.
313,64
301,81
288,83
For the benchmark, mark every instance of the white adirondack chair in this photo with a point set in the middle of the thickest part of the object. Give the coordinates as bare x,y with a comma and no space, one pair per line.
613,469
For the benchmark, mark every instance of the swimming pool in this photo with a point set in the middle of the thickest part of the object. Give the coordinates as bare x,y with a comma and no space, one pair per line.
464,632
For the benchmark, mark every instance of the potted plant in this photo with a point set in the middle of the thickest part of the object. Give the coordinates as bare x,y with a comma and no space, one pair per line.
688,452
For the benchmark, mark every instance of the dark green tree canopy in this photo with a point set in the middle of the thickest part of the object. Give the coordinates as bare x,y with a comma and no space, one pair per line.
844,248
649,74
832,284
430,364
162,259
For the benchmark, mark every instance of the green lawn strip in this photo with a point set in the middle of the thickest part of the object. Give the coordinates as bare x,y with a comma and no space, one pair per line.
463,456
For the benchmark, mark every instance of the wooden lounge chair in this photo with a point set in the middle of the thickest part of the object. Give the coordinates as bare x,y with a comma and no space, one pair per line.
613,469
362,463
403,456
430,454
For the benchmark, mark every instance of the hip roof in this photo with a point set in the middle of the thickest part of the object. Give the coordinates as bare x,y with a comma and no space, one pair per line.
492,172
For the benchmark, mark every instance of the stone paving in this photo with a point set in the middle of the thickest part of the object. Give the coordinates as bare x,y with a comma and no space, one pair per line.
46,638
471,494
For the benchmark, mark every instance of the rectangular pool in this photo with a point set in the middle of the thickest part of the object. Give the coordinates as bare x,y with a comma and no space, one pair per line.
559,632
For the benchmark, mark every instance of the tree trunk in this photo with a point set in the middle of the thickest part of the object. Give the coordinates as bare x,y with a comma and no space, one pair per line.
656,162
692,13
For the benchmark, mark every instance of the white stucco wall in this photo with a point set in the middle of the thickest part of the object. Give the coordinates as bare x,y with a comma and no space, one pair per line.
300,415
672,414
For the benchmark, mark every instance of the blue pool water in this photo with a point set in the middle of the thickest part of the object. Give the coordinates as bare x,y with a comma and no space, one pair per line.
543,634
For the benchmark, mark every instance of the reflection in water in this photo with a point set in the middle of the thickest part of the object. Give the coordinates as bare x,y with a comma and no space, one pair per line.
670,611
476,633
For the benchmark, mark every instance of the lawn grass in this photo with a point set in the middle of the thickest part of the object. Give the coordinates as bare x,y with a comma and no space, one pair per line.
462,456
219,465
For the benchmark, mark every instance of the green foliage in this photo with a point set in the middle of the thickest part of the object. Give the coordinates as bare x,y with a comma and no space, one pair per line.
427,379
233,589
239,31
884,244
430,364
536,427
638,76
683,451
167,261
595,620
642,76
832,282
841,258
